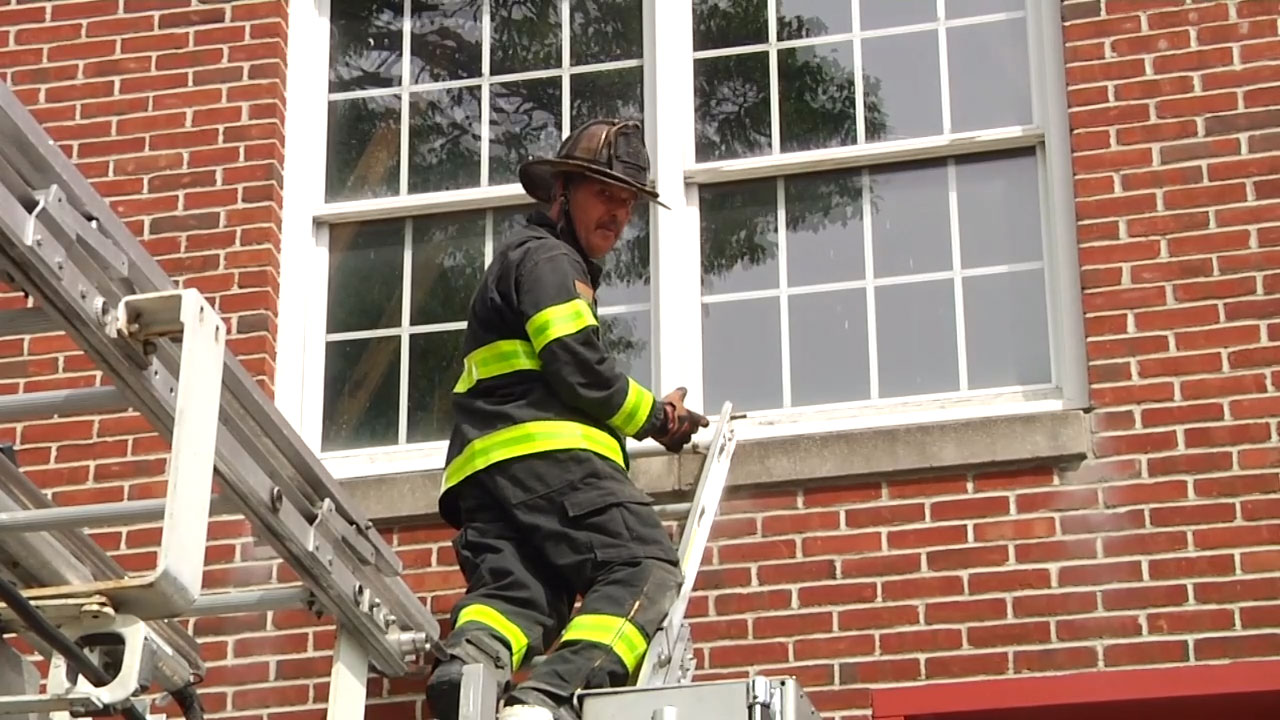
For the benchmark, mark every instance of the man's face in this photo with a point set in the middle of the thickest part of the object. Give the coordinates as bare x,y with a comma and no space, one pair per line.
600,213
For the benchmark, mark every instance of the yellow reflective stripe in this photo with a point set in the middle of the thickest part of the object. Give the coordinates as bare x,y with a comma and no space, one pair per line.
634,409
624,638
496,358
486,615
527,438
559,320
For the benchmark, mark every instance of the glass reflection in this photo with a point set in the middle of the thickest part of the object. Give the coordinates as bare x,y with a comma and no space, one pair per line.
435,359
524,122
799,19
448,258
739,236
819,95
364,148
445,40
729,23
613,93
357,252
526,35
605,31
365,46
732,103
444,139
626,269
626,337
361,393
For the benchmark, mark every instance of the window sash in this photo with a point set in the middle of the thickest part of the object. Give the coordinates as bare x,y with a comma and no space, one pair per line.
676,296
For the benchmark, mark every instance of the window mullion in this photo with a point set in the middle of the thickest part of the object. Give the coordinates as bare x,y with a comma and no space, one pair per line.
676,256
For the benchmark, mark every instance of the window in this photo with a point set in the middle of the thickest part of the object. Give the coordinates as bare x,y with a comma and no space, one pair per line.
870,201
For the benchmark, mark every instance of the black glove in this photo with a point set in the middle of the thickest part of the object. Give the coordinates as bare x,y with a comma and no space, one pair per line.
681,422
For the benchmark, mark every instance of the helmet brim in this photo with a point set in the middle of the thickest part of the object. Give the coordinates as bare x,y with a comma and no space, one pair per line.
538,177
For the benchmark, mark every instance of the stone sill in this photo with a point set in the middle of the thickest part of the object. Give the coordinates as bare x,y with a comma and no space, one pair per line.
1059,438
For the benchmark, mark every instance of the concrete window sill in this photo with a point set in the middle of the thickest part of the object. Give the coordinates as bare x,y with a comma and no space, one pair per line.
1050,438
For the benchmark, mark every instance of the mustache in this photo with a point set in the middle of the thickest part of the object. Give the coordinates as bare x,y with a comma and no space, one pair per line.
611,225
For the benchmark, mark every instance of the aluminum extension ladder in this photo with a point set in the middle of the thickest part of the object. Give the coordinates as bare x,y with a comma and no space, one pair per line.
163,351
663,688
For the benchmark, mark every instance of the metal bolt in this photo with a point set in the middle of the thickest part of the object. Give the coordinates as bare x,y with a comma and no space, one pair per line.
277,499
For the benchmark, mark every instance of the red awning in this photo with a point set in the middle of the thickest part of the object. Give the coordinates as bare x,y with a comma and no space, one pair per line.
1239,690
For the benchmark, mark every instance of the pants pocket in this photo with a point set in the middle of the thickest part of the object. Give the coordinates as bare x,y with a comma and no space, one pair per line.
617,520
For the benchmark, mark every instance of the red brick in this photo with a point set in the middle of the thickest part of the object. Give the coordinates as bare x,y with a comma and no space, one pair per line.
839,594
880,671
1161,178
968,508
1238,646
1225,386
1128,347
1190,621
1055,659
1021,529
1181,414
1096,628
879,616
840,495
792,625
924,587
1124,299
1009,580
743,654
1200,514
970,557
1115,395
1060,499
945,666
1263,509
1257,616
791,523
1237,591
1251,458
1012,479
1100,573
1130,444
1069,603
1055,550
1238,484
1145,493
925,537
927,640
1155,132
841,544
1145,653
965,611
775,574
1193,105
880,565
732,553
1144,543
1102,522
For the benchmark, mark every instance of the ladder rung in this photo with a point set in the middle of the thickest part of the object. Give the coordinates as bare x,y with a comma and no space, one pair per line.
26,321
75,517
47,403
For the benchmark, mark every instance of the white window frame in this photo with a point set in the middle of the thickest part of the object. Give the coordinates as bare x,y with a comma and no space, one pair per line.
675,287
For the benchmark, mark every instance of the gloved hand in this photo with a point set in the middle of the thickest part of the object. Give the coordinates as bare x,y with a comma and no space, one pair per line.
681,422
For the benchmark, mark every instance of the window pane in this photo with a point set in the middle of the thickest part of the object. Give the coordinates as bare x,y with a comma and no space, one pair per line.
878,14
365,44
732,106
626,336
364,148
742,355
729,23
507,221
446,39
361,392
435,360
605,31
970,8
613,93
524,122
1006,329
903,78
366,264
448,257
916,338
739,236
824,228
1007,181
813,18
818,89
444,137
989,74
626,268
829,361
910,220
526,35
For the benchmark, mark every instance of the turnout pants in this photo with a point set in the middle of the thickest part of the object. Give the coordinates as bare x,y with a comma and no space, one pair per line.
528,553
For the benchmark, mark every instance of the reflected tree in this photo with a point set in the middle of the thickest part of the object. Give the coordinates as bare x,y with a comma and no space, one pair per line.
733,111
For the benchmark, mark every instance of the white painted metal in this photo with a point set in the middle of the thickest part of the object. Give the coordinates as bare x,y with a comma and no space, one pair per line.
348,681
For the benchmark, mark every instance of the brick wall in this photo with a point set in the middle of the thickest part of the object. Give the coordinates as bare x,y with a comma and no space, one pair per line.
1165,549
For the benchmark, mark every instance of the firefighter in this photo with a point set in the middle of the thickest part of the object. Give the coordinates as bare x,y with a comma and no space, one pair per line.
536,473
